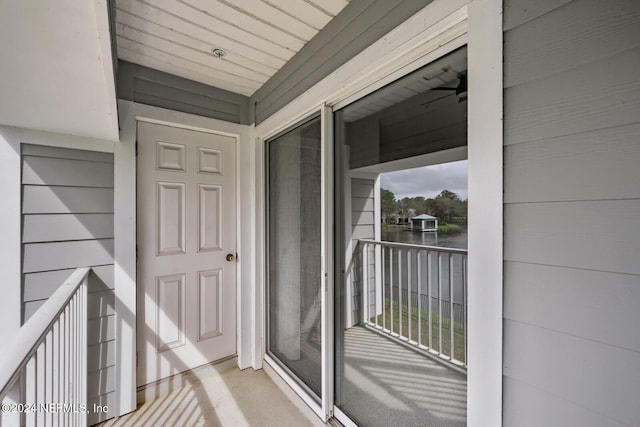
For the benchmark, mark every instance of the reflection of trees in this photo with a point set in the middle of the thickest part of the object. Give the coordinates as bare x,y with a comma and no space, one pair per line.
446,206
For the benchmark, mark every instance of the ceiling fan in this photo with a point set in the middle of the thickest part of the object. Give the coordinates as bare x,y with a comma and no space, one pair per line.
460,90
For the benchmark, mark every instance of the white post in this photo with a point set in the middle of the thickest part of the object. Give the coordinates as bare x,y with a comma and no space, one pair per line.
485,150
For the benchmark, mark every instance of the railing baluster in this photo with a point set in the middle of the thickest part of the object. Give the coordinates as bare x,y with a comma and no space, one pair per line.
55,377
451,312
67,356
48,393
40,382
419,295
76,349
384,286
83,327
30,389
400,252
439,303
429,315
363,280
391,289
464,306
409,304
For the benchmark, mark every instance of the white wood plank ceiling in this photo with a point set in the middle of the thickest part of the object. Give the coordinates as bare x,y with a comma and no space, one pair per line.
258,36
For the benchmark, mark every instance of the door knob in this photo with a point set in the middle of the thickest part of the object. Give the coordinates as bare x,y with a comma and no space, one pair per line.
230,257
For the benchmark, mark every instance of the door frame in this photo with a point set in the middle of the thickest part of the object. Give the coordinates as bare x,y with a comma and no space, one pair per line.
436,30
125,172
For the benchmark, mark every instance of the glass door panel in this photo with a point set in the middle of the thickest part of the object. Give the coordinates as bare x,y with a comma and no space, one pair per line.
400,306
294,329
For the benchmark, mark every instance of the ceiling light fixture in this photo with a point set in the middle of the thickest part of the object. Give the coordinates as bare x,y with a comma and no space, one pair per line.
218,53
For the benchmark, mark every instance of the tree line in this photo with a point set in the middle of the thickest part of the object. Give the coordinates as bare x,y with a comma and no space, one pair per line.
446,206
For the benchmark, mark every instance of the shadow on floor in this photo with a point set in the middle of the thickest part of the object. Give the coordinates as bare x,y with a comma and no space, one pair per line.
232,398
389,384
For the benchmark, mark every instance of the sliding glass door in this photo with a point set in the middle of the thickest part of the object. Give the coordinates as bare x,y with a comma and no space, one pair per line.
294,299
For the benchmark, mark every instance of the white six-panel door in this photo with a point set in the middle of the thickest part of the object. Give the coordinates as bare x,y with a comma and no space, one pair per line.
186,249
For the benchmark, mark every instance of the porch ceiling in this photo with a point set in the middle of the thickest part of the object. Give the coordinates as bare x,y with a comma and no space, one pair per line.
258,36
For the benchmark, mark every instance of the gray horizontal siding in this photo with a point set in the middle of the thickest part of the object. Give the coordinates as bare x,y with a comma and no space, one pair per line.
51,228
101,355
593,375
42,284
58,200
571,214
594,305
66,153
575,167
597,95
568,38
522,408
67,222
61,255
354,29
595,235
101,329
101,382
363,227
518,12
148,86
108,400
66,172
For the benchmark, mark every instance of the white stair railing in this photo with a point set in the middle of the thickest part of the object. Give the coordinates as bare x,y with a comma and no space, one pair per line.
43,371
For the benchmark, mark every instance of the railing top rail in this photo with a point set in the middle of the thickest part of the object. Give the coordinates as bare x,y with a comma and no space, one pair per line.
34,331
412,246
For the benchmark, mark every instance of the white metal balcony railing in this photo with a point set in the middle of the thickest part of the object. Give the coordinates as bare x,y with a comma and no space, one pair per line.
43,380
415,293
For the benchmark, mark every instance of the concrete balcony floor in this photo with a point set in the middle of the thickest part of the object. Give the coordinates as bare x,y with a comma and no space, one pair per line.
209,397
386,383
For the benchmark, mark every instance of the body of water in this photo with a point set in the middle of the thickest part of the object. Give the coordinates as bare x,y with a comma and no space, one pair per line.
446,240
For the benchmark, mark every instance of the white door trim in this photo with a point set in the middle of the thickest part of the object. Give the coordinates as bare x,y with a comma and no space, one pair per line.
125,246
406,48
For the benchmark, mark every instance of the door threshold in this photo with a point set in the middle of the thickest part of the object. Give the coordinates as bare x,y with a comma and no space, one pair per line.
165,386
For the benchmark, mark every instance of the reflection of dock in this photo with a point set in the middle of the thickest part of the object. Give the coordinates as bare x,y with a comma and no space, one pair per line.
435,230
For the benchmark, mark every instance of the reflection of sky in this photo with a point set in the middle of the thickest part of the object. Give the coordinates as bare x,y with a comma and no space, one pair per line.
428,181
